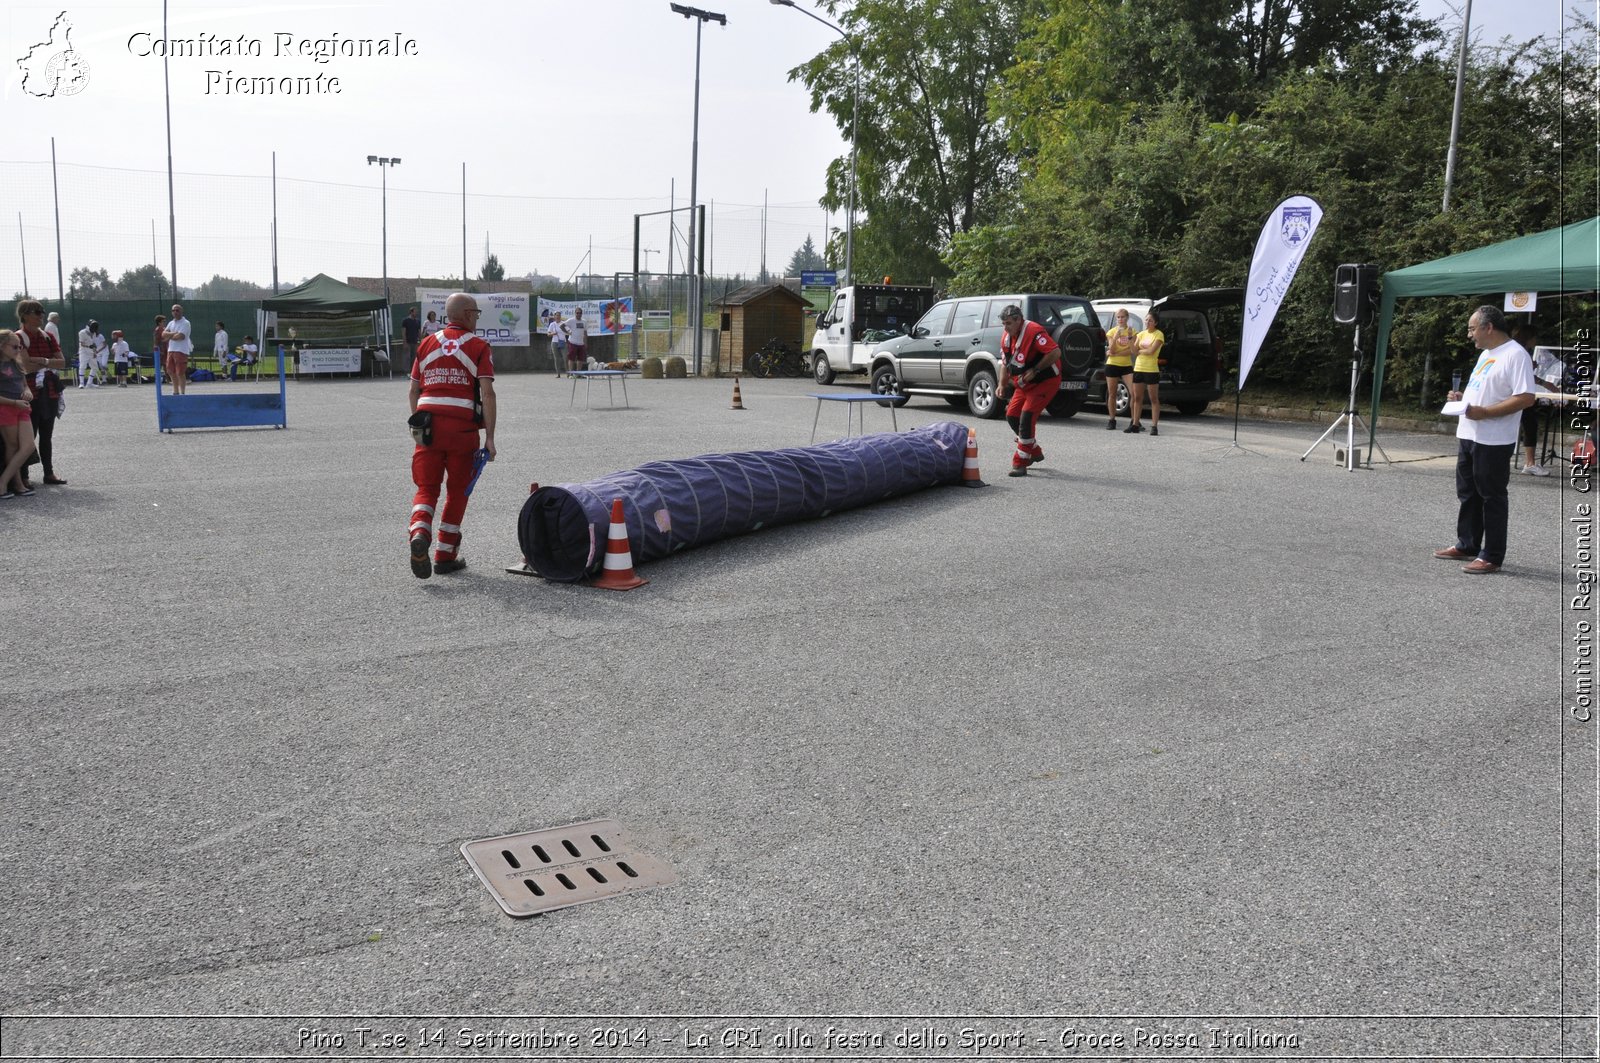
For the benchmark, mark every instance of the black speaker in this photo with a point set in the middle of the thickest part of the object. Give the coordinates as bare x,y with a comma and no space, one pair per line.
1355,292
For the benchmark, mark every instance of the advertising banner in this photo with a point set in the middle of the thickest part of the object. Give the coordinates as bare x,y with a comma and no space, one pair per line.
1279,249
604,317
504,321
330,360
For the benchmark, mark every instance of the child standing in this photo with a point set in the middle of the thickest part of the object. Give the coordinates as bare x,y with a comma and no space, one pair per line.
119,355
16,413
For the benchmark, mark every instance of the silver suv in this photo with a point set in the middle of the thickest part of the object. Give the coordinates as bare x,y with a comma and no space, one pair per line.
953,351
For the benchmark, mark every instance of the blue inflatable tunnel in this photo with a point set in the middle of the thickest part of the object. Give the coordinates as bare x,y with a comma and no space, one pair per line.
677,505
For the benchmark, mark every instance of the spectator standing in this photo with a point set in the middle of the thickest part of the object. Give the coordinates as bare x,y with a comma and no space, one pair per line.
452,388
16,414
1119,364
558,342
1500,388
577,340
179,346
411,329
1147,375
52,325
219,348
91,349
119,357
44,358
432,325
1548,371
1030,370
158,345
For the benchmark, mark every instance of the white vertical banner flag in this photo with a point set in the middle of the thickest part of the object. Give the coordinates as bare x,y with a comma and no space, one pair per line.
1279,249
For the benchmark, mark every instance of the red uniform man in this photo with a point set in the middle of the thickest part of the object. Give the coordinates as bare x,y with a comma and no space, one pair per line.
1030,368
452,378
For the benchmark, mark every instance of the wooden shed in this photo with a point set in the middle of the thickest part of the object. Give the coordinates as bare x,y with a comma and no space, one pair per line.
756,313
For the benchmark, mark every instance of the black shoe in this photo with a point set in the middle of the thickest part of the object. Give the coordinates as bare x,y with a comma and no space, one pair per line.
454,564
1132,428
1111,424
55,481
421,567
1155,430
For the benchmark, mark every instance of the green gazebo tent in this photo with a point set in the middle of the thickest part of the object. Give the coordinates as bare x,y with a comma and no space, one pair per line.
1559,260
322,296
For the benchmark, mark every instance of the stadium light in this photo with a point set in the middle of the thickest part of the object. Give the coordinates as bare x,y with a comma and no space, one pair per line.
697,296
383,169
855,110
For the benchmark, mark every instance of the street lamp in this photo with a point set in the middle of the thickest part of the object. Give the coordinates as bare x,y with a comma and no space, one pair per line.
383,170
694,174
855,110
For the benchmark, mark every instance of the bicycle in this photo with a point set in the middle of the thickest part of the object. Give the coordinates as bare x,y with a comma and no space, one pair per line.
776,358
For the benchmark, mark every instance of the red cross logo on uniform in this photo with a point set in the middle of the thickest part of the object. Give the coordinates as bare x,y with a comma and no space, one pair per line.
450,346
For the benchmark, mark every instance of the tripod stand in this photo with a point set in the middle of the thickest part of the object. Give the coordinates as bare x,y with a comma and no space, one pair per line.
1349,418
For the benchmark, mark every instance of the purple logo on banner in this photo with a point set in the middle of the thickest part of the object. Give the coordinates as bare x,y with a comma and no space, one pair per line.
1296,226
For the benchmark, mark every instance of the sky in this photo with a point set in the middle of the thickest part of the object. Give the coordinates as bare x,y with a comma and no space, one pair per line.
569,116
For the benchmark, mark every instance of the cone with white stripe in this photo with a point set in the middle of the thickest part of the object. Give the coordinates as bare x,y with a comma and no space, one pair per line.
618,573
969,469
738,401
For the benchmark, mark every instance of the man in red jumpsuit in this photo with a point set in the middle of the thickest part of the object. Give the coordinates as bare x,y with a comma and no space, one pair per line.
1030,367
452,381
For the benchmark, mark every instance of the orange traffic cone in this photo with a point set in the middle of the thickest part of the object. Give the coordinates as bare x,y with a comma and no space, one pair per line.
618,574
738,403
969,470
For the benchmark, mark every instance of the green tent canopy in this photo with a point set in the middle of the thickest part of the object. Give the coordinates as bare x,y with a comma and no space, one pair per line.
326,298
323,295
1560,260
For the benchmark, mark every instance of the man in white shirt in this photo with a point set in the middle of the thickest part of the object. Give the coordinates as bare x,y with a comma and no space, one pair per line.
1500,388
179,346
577,340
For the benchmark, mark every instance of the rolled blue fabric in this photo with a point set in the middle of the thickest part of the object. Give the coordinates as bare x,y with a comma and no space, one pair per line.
677,505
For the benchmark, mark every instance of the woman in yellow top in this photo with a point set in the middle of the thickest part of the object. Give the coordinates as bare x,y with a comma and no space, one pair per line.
1119,363
1147,374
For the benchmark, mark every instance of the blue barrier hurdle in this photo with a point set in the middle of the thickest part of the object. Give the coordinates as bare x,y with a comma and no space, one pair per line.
228,410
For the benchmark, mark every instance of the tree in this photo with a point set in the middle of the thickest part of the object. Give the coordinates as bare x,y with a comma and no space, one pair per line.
1175,199
805,258
1089,63
145,282
492,269
220,287
931,163
89,283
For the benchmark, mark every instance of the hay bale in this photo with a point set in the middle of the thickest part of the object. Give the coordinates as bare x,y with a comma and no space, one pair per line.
677,368
651,369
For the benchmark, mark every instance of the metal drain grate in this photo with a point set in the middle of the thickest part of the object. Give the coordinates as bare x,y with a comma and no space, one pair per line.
543,870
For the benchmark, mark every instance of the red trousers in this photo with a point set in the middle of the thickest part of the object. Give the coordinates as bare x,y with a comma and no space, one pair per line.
448,460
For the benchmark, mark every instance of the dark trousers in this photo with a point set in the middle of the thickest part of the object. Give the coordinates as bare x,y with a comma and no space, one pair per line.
44,430
1482,475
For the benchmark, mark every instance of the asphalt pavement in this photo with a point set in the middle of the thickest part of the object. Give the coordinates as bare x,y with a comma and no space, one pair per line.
1172,737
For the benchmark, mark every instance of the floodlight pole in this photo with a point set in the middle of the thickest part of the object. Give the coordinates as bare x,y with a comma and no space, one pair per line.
383,170
855,114
696,296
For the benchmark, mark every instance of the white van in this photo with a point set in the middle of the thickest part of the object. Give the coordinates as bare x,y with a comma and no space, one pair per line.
860,318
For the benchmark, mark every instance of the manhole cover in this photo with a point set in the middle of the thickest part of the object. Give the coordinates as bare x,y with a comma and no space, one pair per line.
543,870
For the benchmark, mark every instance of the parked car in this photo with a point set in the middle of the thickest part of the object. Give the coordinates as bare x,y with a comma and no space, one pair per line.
1191,360
953,351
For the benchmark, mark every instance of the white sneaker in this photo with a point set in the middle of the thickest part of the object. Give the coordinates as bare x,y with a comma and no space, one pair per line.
1536,470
